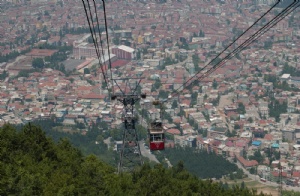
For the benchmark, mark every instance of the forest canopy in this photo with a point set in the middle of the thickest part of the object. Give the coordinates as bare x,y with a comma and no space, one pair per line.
200,163
33,164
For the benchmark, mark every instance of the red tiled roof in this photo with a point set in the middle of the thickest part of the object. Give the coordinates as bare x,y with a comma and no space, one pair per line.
276,174
119,63
268,137
246,163
177,120
216,143
229,144
84,88
92,96
240,143
41,52
174,131
187,102
296,174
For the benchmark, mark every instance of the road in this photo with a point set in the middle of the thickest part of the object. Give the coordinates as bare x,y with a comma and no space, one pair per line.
107,141
268,183
146,152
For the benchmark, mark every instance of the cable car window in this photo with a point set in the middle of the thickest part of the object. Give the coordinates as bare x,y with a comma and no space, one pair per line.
156,137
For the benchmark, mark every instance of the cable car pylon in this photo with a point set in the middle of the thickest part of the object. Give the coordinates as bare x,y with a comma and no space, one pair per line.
130,155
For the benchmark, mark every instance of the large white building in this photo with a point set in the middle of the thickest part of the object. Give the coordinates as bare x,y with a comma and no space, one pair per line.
124,52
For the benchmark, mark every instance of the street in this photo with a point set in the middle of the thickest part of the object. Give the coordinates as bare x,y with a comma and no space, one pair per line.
269,183
146,152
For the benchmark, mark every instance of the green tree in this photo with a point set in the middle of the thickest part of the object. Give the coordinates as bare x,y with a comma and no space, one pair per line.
276,108
33,164
239,174
174,104
156,85
3,75
237,126
194,98
116,40
252,170
86,71
215,84
243,186
196,61
268,44
204,134
38,63
257,156
250,120
163,94
241,108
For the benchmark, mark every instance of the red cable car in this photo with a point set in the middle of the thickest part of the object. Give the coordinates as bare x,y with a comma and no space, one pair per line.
156,136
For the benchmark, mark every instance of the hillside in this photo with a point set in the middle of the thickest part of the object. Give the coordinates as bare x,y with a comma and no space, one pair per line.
32,164
200,163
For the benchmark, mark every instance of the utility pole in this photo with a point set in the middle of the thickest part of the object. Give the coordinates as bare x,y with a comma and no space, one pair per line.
130,155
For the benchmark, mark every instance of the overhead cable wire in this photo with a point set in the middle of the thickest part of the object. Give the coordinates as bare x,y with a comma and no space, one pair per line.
254,37
94,30
247,42
94,39
95,34
251,39
101,44
99,32
221,63
278,1
226,47
109,60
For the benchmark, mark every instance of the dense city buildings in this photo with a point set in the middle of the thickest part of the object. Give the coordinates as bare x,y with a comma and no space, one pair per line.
247,110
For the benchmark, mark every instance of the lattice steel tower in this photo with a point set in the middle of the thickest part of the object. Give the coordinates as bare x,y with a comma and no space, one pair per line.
130,155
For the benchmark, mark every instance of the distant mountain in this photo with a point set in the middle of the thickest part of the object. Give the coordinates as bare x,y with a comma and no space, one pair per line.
32,164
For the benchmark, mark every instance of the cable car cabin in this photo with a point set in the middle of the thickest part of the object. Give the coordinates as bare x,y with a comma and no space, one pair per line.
156,136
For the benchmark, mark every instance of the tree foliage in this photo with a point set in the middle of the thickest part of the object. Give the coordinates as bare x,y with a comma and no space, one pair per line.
282,85
290,70
290,193
174,104
257,156
3,75
86,71
38,63
169,61
12,55
25,73
241,108
215,84
276,108
196,61
200,163
252,170
86,143
32,164
156,85
163,94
